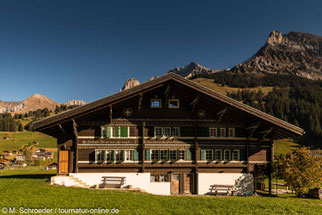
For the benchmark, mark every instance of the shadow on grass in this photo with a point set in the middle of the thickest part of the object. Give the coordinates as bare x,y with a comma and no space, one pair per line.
29,176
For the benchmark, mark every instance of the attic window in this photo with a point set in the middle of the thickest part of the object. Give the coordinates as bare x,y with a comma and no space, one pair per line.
173,103
155,103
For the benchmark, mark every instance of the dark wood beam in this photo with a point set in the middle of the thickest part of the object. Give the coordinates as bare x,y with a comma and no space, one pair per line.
265,133
61,128
194,103
75,128
221,113
111,113
140,101
253,128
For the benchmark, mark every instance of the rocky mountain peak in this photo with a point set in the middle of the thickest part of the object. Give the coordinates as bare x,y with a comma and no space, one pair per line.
129,83
193,69
293,53
275,37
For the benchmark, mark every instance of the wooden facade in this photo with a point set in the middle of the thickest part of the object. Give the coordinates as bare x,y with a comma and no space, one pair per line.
170,127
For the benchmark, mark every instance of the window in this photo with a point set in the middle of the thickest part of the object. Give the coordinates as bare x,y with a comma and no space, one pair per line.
173,103
227,154
129,155
109,155
159,178
100,155
231,132
173,155
209,155
155,103
119,155
222,132
176,132
235,155
213,132
158,132
167,132
163,178
218,155
155,155
154,178
164,154
181,155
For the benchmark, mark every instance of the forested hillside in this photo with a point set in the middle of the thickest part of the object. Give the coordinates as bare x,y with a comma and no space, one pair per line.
293,99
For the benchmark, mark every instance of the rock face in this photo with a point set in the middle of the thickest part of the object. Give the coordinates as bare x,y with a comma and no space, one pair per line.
293,53
32,103
75,102
193,69
129,83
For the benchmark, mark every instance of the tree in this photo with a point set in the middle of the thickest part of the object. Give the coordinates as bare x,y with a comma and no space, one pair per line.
301,169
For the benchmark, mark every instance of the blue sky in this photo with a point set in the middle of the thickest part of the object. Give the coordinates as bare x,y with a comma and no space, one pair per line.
86,49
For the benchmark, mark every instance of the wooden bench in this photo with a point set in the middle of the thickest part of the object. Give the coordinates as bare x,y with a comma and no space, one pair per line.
223,188
112,181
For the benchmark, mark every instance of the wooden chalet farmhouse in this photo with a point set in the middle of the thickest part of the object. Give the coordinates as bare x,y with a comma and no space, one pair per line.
166,136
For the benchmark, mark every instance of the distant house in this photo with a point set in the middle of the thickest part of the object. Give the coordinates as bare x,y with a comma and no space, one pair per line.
42,154
6,138
2,165
7,153
20,158
51,166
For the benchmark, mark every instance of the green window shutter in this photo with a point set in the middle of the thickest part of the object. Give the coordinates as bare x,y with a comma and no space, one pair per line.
147,154
102,131
214,154
202,155
123,155
135,155
117,131
159,157
108,131
113,155
223,154
105,156
242,155
188,157
124,131
177,156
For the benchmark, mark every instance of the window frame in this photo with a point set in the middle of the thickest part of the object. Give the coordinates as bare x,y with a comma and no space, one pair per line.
225,150
222,129
233,132
153,100
175,107
212,155
221,157
131,152
96,154
173,129
155,131
162,151
176,155
216,132
118,155
158,155
111,155
233,154
163,131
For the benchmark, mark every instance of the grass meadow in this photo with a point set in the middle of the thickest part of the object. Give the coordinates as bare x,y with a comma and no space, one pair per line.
31,189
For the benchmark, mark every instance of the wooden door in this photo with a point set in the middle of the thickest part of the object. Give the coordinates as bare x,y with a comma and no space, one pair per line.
63,162
175,184
188,183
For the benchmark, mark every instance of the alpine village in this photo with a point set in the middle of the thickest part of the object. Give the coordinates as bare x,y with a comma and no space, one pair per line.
192,132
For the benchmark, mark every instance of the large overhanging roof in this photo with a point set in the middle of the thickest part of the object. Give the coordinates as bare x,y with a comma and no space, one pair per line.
104,102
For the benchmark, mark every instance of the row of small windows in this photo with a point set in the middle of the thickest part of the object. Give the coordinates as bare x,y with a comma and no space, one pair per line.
222,154
116,155
117,131
169,155
124,132
165,155
172,103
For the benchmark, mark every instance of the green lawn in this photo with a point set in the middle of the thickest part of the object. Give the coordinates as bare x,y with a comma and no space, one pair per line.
30,189
284,146
18,139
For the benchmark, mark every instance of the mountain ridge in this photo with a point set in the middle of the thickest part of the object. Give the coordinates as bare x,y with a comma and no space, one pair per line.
294,53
